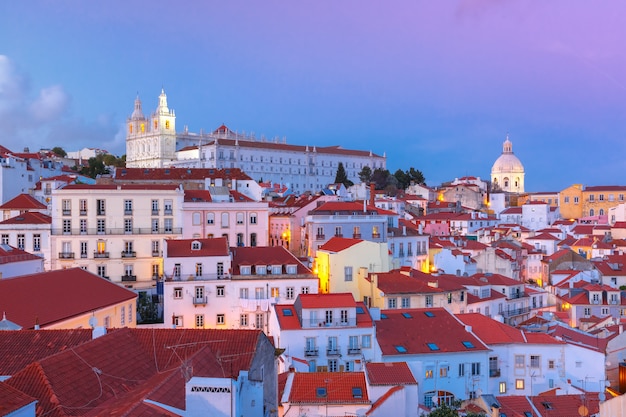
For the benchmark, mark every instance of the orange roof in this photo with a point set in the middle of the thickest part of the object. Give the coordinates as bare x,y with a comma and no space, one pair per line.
493,332
389,373
183,248
44,298
29,217
12,400
337,244
328,387
9,254
23,202
177,174
327,300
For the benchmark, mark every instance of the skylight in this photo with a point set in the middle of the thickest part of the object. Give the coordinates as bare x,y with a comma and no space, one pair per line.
320,392
357,392
359,310
429,314
432,346
383,316
400,349
287,312
468,345
407,315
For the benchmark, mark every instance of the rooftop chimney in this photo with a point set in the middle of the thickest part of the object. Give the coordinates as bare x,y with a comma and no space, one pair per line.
372,193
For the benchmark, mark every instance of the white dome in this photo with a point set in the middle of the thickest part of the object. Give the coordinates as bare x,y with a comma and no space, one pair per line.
507,162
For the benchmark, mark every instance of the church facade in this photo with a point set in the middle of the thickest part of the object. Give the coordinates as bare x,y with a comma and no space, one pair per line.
507,173
152,142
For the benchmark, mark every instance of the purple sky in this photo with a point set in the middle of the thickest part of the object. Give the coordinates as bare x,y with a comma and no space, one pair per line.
436,85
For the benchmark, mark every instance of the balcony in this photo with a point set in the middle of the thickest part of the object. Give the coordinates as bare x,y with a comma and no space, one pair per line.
129,254
333,351
320,237
354,350
167,211
356,235
156,253
200,301
128,212
100,254
515,312
203,277
311,352
67,212
117,231
155,212
66,255
129,278
494,373
83,212
375,235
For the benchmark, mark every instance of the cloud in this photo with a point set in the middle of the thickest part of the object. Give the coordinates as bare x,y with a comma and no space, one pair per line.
51,103
44,118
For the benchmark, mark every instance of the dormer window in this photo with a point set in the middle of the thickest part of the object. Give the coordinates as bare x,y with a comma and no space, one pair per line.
245,270
292,269
195,245
260,269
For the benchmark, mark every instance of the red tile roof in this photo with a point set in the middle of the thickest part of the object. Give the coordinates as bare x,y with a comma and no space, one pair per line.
389,373
12,400
89,380
567,405
29,217
195,196
23,202
493,332
337,244
182,248
121,187
338,387
9,254
412,332
397,283
19,348
44,297
177,174
327,300
266,255
383,398
351,207
516,406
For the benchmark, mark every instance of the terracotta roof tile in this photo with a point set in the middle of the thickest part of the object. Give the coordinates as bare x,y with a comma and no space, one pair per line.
169,174
389,373
338,388
23,202
338,244
183,248
30,217
266,255
12,399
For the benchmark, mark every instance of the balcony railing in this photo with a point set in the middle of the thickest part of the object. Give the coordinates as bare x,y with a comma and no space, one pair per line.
156,253
494,373
129,278
67,212
311,352
322,323
375,235
320,237
203,277
356,235
129,254
66,255
83,212
354,350
118,231
338,234
100,254
128,212
333,351
199,300
515,312
155,212
167,211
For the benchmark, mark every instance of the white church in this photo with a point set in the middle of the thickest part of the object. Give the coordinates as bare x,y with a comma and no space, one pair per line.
152,142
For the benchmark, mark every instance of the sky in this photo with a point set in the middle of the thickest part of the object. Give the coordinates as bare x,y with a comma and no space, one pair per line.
434,85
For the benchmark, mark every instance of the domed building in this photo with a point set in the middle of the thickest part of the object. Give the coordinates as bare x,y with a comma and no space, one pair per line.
507,173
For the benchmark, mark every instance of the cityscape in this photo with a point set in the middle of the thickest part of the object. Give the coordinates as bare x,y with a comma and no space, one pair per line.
316,209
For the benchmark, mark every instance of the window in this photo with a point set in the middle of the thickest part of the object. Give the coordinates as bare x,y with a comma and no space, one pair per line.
219,291
443,371
304,290
329,317
67,226
601,197
258,321
225,220
591,197
461,369
338,231
66,206
178,293
128,207
252,239
210,218
239,217
83,226
196,218
168,225
391,303
21,239
102,271
101,226
475,368
290,293
243,293
155,248
5,239
429,373
100,207
519,384
575,200
243,320
566,200
155,207
253,218
348,273
519,361
128,225
344,316
167,207
429,301
130,313
406,302
36,242
366,341
220,319
534,361
332,365
82,206
502,387
200,320
274,292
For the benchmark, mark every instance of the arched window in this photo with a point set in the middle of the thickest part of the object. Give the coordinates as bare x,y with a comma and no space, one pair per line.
210,218
224,220
167,124
130,128
196,218
601,212
592,212
156,124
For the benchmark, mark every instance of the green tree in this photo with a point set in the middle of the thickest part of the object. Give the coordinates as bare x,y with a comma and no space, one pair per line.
416,176
58,151
381,177
342,177
402,178
452,410
366,174
95,166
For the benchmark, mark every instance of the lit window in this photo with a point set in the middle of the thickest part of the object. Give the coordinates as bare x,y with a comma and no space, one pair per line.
519,384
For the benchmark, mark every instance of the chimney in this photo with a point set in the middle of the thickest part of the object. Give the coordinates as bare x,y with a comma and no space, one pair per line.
403,230
372,193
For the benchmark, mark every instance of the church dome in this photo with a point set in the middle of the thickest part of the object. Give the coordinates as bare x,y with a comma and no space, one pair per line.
507,162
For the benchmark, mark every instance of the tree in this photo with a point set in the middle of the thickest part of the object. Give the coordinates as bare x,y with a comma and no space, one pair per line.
58,151
452,410
342,177
416,176
366,174
95,166
402,178
381,178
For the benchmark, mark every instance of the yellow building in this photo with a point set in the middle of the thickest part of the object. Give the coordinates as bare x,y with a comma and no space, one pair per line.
67,299
341,262
599,199
571,202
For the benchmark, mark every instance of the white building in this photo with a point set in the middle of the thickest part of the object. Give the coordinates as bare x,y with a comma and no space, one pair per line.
153,142
209,285
115,231
507,173
324,332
